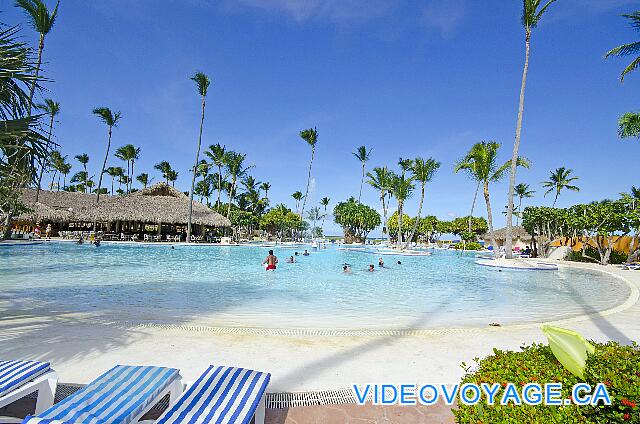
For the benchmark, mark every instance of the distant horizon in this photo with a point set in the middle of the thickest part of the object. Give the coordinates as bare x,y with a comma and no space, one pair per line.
404,78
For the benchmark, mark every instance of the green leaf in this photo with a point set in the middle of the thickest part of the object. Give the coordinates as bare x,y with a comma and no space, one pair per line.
569,347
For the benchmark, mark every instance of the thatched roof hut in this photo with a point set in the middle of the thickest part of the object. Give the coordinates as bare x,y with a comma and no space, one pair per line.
159,203
519,236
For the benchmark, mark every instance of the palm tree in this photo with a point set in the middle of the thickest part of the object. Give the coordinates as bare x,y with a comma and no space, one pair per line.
128,153
217,154
522,191
42,21
65,169
111,120
381,180
172,176
143,179
297,196
314,216
237,170
80,177
423,172
311,137
83,158
203,189
363,155
481,163
531,14
629,125
629,48
55,160
401,188
52,109
165,168
202,84
113,172
265,186
324,202
559,180
250,183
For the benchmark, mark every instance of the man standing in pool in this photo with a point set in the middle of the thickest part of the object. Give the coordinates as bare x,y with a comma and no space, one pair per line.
270,261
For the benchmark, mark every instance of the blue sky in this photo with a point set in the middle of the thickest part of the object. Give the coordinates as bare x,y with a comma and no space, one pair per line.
406,78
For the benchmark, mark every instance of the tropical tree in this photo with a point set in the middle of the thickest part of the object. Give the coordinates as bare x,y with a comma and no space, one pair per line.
629,125
55,162
165,168
218,155
250,183
237,171
559,180
532,12
381,179
128,153
265,186
401,188
65,169
80,177
324,202
83,158
481,163
143,179
356,220
203,189
297,196
422,172
42,21
111,120
363,155
311,137
522,190
314,216
202,84
113,172
172,177
51,108
629,49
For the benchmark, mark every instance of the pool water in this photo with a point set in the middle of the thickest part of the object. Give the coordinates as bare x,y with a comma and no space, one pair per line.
228,286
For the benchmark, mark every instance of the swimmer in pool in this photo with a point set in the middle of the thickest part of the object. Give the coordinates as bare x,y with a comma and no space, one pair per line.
346,269
305,253
290,260
270,261
380,263
371,268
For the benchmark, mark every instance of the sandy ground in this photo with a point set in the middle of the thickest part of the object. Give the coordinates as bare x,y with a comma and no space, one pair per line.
81,347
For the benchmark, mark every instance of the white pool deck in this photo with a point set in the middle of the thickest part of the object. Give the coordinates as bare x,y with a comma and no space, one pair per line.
81,347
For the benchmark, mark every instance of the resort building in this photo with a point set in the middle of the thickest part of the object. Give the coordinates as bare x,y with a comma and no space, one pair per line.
520,237
159,212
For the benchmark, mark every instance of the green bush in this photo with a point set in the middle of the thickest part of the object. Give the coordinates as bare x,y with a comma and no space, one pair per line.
472,245
618,367
617,257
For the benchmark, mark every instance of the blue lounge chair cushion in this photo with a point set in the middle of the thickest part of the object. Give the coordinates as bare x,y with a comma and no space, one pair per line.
14,374
116,397
220,395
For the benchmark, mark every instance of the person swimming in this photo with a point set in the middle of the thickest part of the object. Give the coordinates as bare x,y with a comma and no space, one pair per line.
271,260
380,263
306,253
399,263
346,269
290,260
371,268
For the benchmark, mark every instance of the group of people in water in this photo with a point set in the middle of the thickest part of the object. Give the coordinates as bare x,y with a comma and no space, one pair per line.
271,262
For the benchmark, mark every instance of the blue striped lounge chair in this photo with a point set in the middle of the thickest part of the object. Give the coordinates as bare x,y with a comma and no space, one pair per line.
121,395
221,395
20,378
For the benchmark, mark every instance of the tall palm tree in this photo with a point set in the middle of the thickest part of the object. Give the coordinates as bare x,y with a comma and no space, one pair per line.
111,120
532,12
113,172
172,176
83,158
237,171
559,180
629,49
311,137
128,153
363,155
401,188
522,190
250,183
54,162
297,196
52,109
324,202
314,216
629,125
381,179
165,168
42,21
203,189
481,163
202,84
422,171
217,153
65,169
143,179
265,186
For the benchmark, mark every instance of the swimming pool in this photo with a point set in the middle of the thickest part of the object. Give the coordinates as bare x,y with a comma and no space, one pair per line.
227,286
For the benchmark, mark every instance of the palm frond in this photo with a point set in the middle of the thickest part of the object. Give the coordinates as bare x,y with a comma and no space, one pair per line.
202,83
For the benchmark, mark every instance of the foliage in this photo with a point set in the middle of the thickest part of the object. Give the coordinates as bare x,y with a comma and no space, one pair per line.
629,125
280,220
629,49
590,254
545,225
468,246
356,219
559,180
612,364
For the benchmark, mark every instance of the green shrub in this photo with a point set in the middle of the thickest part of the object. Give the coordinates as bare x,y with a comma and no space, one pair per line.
618,367
617,257
472,245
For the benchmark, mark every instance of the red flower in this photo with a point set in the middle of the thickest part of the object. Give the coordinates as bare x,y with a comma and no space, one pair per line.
626,417
607,383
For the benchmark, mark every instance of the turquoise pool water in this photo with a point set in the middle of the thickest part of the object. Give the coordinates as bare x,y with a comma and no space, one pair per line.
227,286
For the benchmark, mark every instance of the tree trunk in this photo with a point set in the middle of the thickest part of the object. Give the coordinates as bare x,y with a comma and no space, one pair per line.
490,219
519,211
44,161
555,199
195,170
415,224
400,213
132,176
36,74
233,188
8,221
361,182
306,193
516,147
219,186
473,205
104,164
384,215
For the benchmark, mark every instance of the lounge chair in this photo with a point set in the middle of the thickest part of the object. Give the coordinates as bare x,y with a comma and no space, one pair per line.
121,395
20,378
632,266
221,395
